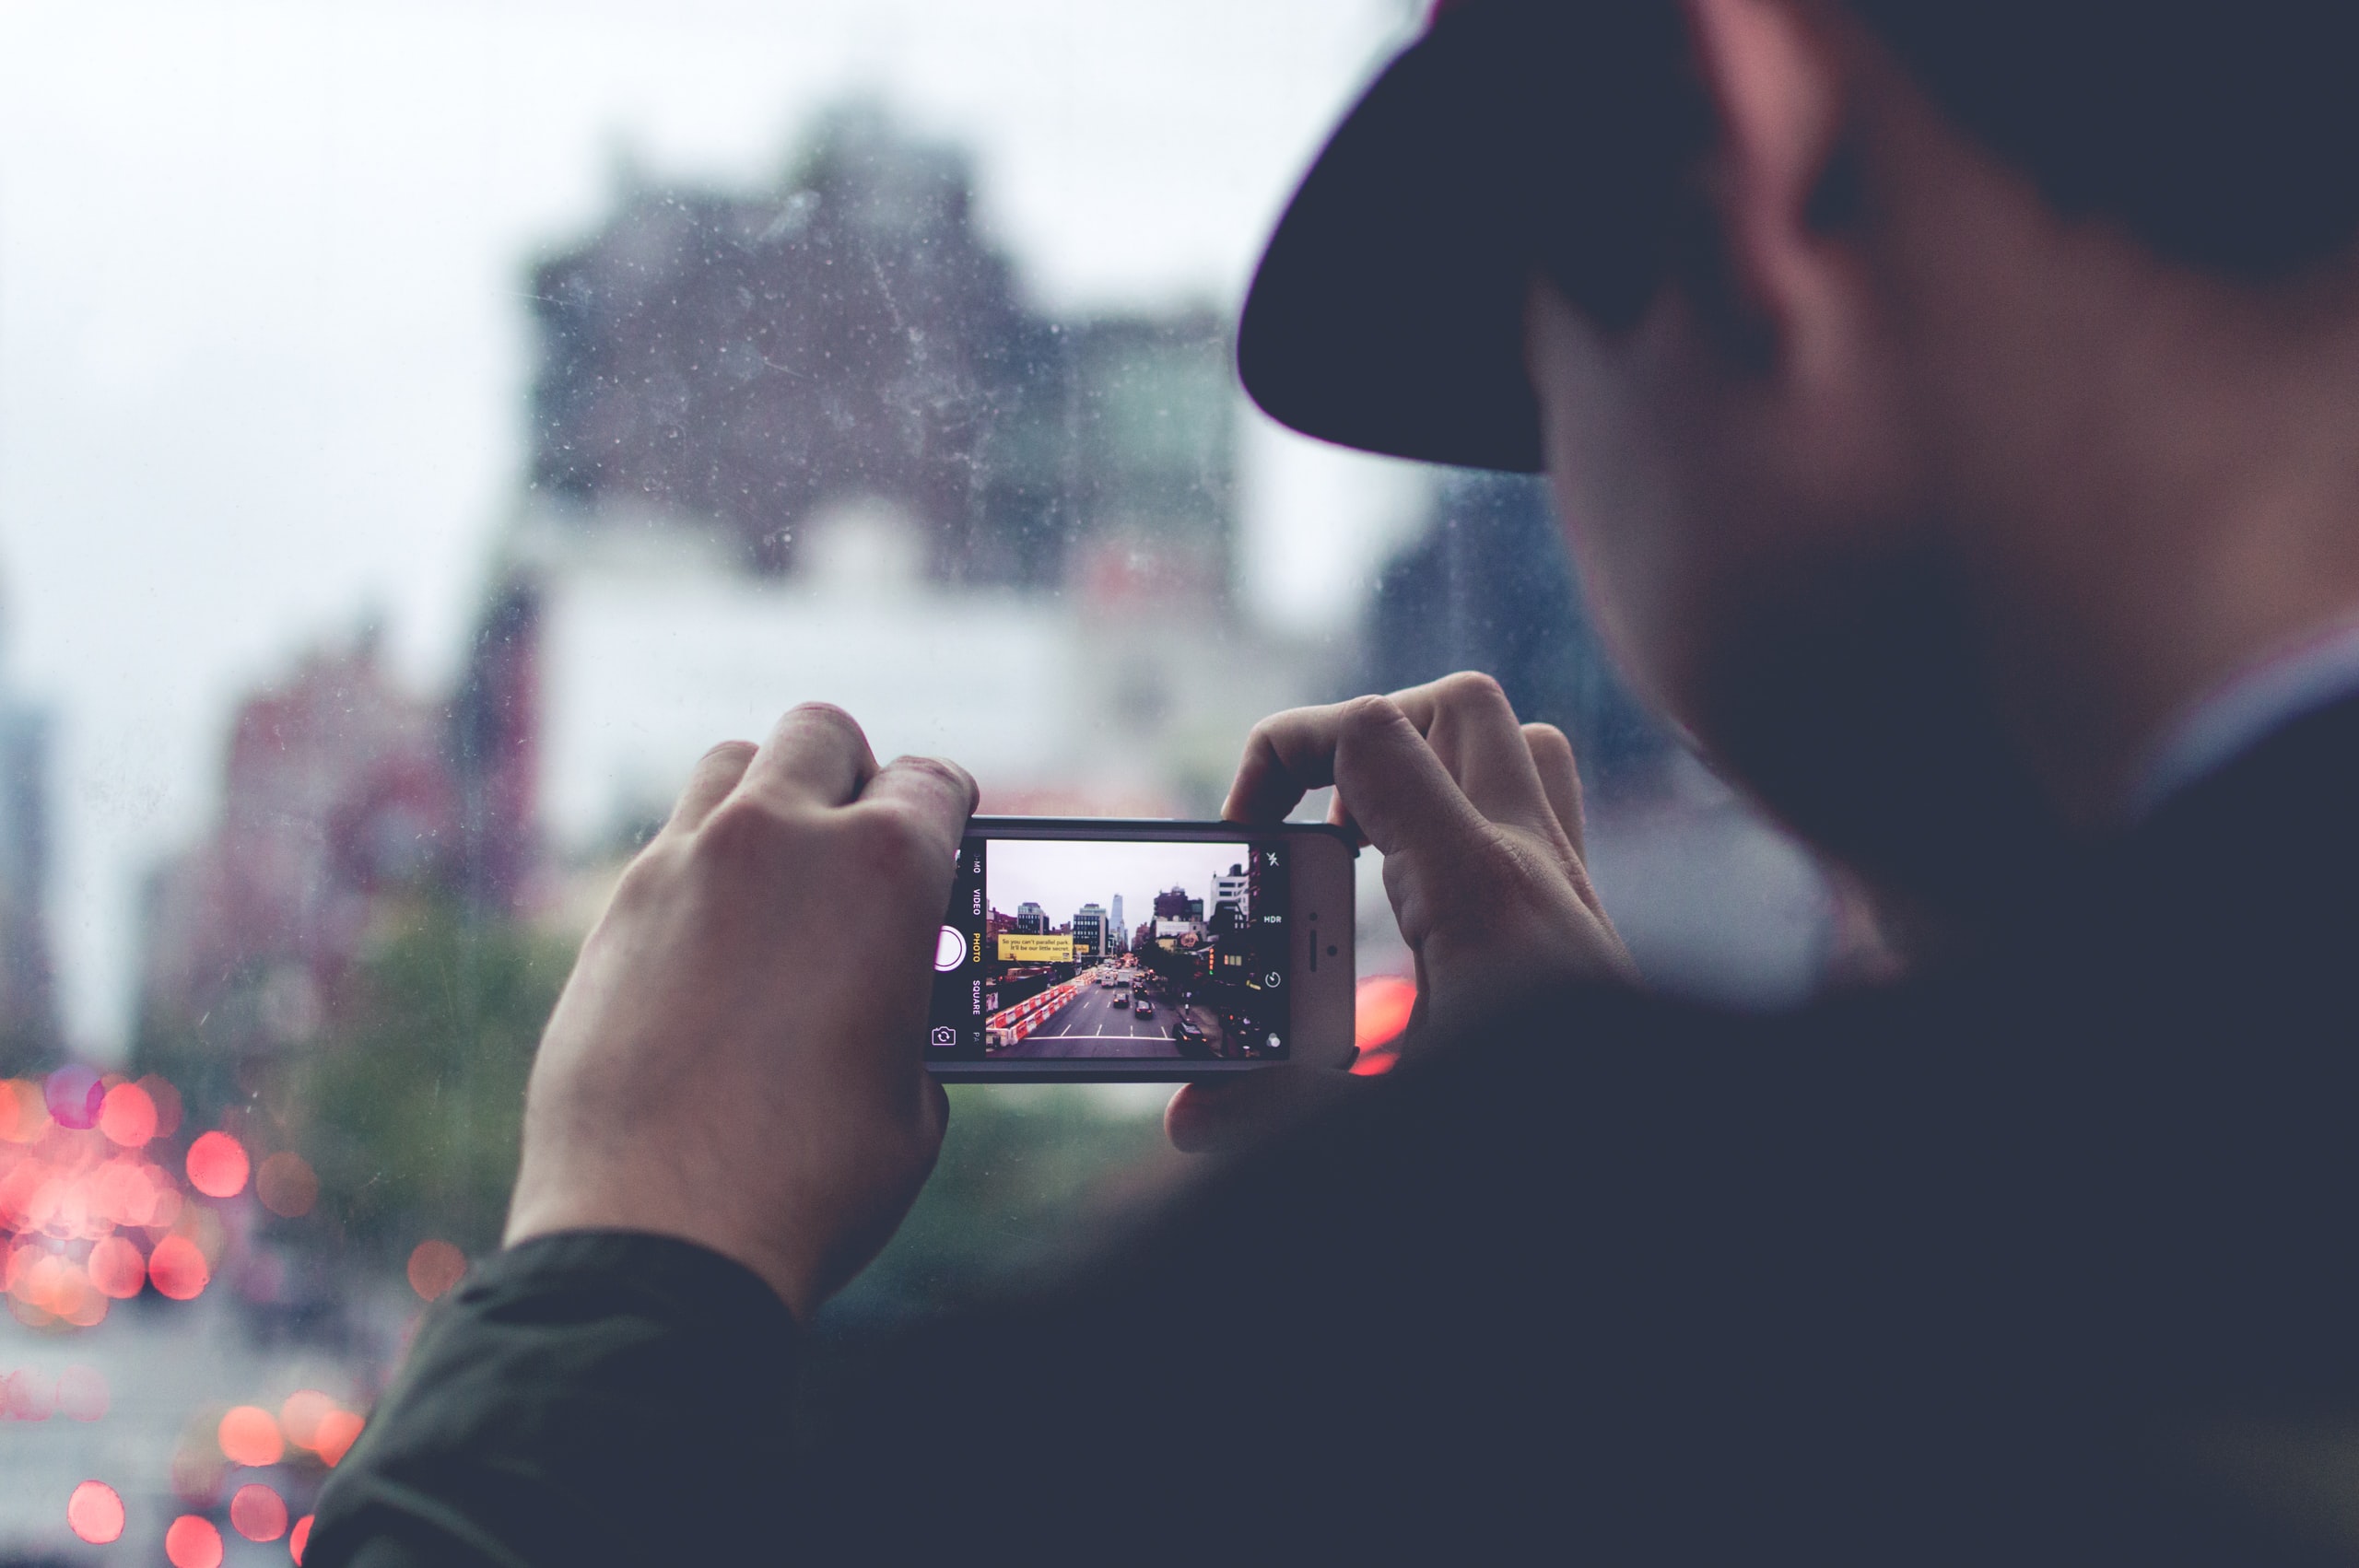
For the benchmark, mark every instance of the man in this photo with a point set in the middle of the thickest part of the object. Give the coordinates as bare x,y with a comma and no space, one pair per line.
1953,409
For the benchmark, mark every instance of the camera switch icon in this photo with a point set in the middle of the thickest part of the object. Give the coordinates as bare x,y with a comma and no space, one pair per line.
949,949
943,1034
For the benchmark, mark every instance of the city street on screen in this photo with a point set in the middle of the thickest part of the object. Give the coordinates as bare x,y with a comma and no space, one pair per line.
1114,949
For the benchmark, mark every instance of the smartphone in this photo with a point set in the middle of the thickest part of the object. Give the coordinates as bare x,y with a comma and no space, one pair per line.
1093,950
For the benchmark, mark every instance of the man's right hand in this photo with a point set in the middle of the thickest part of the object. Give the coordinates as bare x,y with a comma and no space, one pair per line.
737,1059
1479,820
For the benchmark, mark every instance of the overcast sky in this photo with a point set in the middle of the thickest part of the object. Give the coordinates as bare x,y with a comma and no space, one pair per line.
1062,875
263,343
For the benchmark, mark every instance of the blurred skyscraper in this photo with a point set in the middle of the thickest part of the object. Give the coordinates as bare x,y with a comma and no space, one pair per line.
737,361
29,1028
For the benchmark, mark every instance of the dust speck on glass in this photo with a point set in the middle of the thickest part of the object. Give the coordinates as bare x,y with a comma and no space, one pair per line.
424,431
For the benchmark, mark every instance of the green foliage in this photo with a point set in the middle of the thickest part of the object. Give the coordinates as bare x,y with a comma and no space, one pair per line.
411,1108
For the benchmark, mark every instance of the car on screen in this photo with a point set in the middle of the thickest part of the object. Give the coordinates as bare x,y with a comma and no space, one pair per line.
1145,1008
1121,998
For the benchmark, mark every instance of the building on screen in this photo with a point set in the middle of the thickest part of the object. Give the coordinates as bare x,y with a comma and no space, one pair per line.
1089,934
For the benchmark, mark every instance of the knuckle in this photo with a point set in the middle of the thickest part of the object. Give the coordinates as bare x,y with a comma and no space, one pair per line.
1471,688
648,871
1368,715
1549,742
958,779
741,829
885,835
825,713
731,751
1265,734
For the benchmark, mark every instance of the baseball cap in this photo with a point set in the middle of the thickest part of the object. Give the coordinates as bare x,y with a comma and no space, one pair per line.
1386,312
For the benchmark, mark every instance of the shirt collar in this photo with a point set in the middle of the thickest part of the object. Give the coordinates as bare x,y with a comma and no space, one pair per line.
2317,673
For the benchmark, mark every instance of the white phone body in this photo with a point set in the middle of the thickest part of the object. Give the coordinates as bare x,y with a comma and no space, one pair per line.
1035,983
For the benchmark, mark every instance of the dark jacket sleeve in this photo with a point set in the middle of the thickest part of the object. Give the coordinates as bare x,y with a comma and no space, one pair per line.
1849,1288
587,1397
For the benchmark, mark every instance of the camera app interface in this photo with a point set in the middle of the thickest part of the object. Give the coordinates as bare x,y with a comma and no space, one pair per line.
1066,949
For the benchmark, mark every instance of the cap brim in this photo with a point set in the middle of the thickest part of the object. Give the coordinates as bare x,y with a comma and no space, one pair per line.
1388,311
1515,136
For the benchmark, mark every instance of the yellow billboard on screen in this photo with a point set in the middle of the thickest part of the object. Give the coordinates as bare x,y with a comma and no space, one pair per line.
1014,949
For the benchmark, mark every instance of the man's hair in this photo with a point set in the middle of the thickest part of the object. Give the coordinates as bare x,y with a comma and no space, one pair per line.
2222,134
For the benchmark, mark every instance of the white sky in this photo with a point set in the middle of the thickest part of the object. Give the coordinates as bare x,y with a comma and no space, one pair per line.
1062,875
262,344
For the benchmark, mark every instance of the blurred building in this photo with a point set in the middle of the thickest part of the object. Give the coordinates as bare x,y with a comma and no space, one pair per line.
737,361
29,1024
340,790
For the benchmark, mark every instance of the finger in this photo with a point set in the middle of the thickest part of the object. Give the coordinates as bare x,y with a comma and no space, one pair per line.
1287,755
1388,780
1218,1115
816,756
930,795
1467,719
1560,776
716,773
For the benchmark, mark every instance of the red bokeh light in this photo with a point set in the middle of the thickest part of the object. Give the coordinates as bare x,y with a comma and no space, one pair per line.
250,1436
1380,1009
127,1116
297,1539
24,1116
192,1542
73,1095
218,1165
257,1513
26,1394
287,1186
95,1512
435,1267
82,1392
178,1270
337,1431
301,1416
116,1268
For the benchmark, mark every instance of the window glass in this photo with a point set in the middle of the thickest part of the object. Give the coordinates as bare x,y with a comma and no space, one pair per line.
426,427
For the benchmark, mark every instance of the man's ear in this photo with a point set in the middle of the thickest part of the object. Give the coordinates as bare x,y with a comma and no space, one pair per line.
1775,79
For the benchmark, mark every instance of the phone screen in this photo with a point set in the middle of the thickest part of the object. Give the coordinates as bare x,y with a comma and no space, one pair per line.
1062,949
